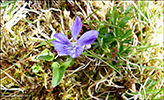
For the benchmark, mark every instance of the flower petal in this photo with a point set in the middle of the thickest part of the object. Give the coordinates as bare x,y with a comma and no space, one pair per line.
76,27
60,48
78,52
88,37
87,46
61,38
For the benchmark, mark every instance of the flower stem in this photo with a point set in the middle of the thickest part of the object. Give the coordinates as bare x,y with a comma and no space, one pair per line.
94,55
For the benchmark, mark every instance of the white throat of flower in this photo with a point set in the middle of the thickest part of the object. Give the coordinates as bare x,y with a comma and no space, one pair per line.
71,47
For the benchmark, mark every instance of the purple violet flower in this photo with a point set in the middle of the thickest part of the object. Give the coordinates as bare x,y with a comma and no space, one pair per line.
65,47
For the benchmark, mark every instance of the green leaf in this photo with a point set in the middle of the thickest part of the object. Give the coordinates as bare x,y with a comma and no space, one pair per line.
13,7
90,15
108,15
103,31
4,4
160,91
68,63
112,66
129,8
41,44
46,55
145,47
123,21
121,9
149,91
125,51
126,34
36,68
160,98
116,15
108,38
45,42
121,48
58,72
28,21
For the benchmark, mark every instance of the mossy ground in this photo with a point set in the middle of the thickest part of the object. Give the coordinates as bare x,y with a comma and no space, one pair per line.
117,66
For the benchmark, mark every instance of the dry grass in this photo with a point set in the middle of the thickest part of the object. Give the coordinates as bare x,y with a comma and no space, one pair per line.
32,23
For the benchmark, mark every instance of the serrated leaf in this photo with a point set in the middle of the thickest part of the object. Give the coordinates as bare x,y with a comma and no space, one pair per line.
46,55
58,72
